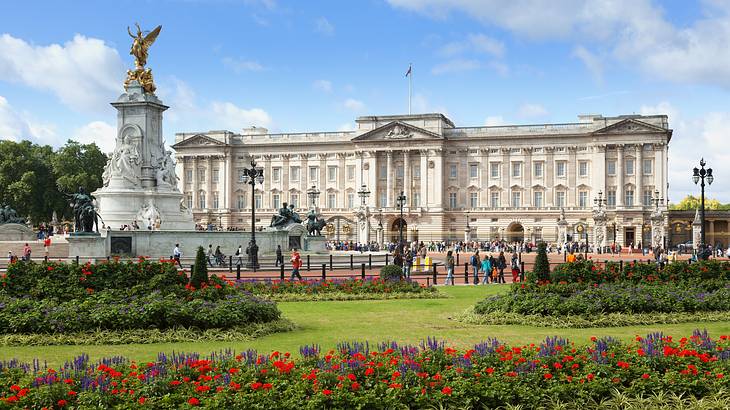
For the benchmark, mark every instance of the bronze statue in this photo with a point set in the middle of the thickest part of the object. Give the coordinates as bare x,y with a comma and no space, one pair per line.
8,215
314,224
139,50
85,216
283,218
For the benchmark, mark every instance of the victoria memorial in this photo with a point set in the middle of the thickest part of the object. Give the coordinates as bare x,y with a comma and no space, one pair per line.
513,182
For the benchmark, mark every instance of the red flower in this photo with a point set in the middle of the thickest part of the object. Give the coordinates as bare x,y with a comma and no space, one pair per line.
71,393
352,377
645,376
355,386
590,377
193,401
61,403
141,400
446,390
720,375
369,371
326,392
267,386
256,385
547,376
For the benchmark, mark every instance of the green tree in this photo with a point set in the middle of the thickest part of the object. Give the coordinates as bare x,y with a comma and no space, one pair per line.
79,165
541,271
26,179
691,202
199,274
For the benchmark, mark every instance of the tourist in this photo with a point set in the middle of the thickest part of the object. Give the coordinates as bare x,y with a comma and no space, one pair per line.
279,256
296,263
47,246
475,262
449,267
515,267
239,253
486,269
408,263
26,253
176,255
501,265
397,258
570,258
219,257
11,258
210,255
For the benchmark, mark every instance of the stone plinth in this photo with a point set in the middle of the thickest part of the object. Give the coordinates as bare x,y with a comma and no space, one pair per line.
315,244
16,232
87,245
120,206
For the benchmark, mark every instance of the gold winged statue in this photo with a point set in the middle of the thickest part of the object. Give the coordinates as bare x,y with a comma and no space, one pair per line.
140,46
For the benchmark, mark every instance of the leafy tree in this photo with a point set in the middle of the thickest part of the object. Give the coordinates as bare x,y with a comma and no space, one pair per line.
79,165
26,179
691,202
199,274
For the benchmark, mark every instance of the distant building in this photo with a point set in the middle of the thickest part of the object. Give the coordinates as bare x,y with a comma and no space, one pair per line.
508,181
717,228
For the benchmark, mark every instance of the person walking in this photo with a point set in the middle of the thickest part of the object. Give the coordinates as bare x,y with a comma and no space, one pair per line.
515,268
47,246
239,256
26,253
279,256
486,269
407,264
449,267
475,262
501,265
296,263
397,258
176,255
209,255
218,256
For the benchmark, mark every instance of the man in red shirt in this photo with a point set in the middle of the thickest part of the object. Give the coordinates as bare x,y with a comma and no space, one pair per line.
26,253
47,245
296,263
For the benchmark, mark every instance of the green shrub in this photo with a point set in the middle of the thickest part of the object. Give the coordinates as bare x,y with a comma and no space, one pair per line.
199,275
541,271
391,272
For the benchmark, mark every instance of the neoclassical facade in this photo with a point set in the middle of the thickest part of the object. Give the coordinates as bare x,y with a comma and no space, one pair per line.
482,183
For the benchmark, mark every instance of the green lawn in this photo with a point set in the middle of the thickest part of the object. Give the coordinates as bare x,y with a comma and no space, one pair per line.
326,323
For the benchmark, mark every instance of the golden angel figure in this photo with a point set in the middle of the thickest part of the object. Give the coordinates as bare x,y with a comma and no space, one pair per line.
142,44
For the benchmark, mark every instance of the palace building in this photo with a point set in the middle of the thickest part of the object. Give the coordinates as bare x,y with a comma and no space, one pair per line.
481,183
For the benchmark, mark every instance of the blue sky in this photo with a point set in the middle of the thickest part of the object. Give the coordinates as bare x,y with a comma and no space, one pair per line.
317,65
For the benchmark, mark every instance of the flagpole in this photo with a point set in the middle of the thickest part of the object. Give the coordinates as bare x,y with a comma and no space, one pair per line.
410,87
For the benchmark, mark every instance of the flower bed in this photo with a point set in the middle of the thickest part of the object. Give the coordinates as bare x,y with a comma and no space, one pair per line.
589,272
356,375
338,289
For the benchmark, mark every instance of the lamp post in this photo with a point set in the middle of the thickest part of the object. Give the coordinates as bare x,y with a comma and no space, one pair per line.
600,201
401,201
380,228
364,226
700,175
313,194
363,193
252,176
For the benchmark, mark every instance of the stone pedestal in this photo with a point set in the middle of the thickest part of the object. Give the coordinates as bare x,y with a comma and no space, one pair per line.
363,225
315,244
87,245
139,180
16,232
599,230
696,231
562,231
657,230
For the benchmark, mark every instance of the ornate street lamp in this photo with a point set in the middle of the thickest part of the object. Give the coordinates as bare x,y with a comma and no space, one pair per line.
313,194
600,201
700,175
252,176
363,193
656,200
401,201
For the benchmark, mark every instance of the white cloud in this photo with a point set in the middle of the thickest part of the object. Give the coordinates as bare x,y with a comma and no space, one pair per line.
354,105
494,120
591,61
455,66
323,85
99,132
233,117
84,73
488,45
322,25
17,126
240,65
529,110
501,68
421,104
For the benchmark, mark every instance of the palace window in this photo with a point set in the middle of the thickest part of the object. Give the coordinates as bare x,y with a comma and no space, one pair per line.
537,199
257,200
452,171
583,199
350,172
516,199
332,174
399,171
473,199
494,199
629,166
494,169
188,176
294,200
350,200
611,167
383,200
383,172
331,201
538,169
560,168
240,201
647,167
452,199
516,169
201,200
313,174
215,200
276,174
629,198
416,199
275,201
189,201
215,176
417,171
583,168
611,198
473,171
646,197
201,175
560,199
294,174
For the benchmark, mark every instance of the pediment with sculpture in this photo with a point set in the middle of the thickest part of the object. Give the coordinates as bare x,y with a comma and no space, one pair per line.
397,130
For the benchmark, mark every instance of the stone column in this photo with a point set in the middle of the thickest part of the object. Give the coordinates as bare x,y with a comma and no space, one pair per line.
549,171
711,233
620,176
484,177
696,231
505,177
373,179
322,181
658,166
438,179
639,174
209,184
527,178
407,183
424,179
196,181
389,179
230,179
572,172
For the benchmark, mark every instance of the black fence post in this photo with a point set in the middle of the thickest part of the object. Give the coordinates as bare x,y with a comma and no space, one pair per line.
565,255
370,261
434,273
457,259
230,263
330,262
192,267
362,271
386,258
621,265
108,258
308,268
324,271
352,262
238,272
281,271
522,271
45,259
466,273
